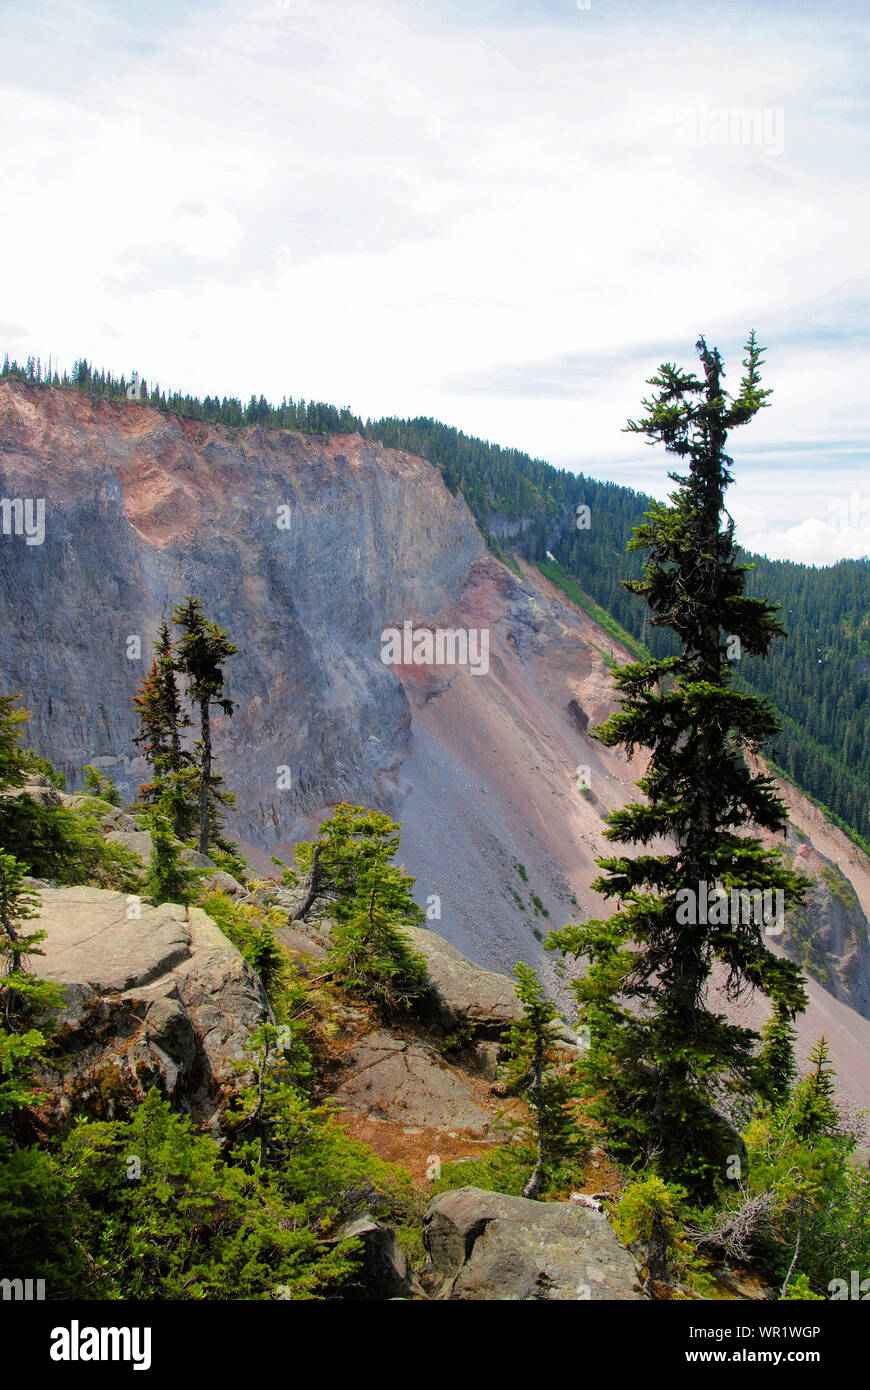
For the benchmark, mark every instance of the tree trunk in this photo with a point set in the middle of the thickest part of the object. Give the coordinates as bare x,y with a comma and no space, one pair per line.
313,884
533,1186
205,730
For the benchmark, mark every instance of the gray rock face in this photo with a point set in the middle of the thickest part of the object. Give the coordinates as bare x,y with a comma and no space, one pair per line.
409,1083
143,508
485,1245
828,935
159,998
461,992
383,1271
139,841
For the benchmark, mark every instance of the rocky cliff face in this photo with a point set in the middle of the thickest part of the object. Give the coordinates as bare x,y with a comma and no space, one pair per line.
499,788
827,935
142,508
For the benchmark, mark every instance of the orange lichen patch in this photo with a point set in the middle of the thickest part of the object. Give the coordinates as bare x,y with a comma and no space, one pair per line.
413,1149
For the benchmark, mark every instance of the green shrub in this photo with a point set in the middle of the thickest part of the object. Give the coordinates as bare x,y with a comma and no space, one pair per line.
100,786
66,846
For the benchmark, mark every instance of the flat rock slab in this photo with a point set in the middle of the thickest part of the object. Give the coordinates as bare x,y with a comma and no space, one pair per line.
488,1246
389,1078
299,944
139,841
93,940
160,997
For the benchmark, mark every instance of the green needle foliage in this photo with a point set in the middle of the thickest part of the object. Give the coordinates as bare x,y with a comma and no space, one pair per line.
168,878
532,1068
100,786
662,1061
201,649
351,861
162,721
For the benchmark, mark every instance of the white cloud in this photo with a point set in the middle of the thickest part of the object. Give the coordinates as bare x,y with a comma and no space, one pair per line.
376,205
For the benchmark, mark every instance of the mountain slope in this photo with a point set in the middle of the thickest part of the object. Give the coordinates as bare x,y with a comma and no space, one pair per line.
142,507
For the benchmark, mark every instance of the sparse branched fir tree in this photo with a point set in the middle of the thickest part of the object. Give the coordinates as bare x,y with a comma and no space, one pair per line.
200,652
372,902
533,1068
661,1058
13,762
814,1111
162,721
370,953
17,905
21,992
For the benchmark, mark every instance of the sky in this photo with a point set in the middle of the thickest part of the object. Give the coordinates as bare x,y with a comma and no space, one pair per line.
501,214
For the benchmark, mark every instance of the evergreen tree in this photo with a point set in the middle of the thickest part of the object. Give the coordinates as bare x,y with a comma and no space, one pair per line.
168,879
351,861
99,785
814,1111
13,763
16,906
20,991
660,1057
532,1069
776,1064
369,952
162,722
201,649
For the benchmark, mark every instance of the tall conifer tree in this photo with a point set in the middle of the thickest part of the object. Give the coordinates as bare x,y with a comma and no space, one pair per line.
662,1060
162,721
201,649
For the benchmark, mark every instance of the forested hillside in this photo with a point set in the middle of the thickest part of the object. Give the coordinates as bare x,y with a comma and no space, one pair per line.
818,679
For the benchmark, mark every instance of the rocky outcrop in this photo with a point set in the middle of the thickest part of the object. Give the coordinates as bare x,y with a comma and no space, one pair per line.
485,1245
462,994
405,1081
153,996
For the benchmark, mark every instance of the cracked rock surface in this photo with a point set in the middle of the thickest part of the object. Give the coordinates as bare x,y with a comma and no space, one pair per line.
486,1245
159,997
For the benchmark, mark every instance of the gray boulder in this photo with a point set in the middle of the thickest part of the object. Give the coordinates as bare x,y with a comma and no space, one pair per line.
299,943
38,789
462,993
153,996
383,1271
139,841
222,882
488,1246
195,860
